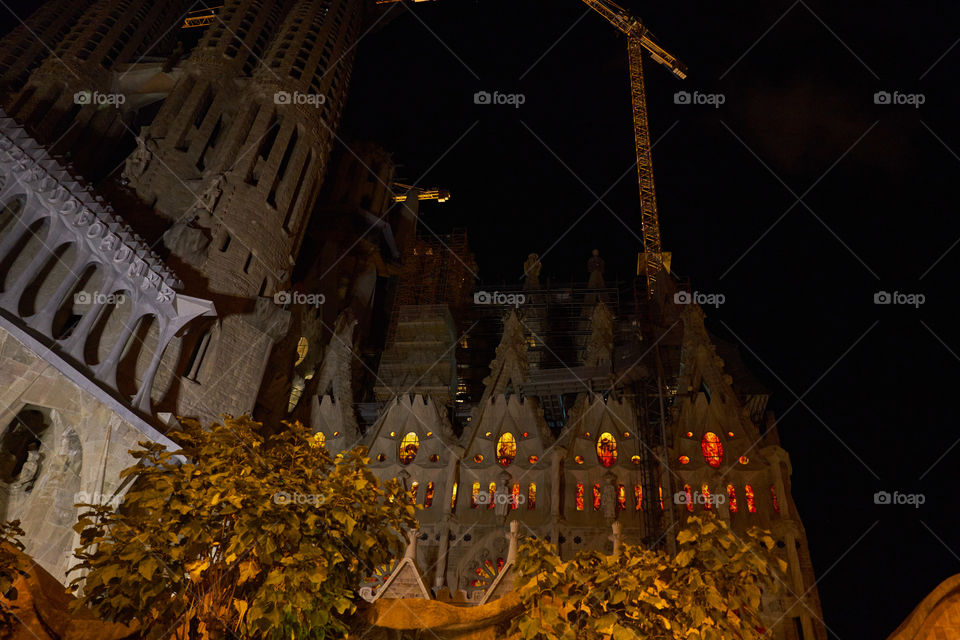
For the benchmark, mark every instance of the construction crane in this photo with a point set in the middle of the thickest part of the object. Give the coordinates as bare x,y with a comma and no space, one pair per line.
653,260
440,195
199,18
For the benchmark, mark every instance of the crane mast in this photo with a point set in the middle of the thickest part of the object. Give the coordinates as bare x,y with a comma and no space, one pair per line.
653,260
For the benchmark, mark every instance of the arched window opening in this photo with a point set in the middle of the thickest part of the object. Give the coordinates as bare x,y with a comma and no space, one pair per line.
773,498
491,495
531,496
688,493
453,497
621,498
712,449
506,449
409,446
638,497
474,496
515,496
705,492
596,497
732,498
579,496
751,501
414,487
661,498
607,449
428,498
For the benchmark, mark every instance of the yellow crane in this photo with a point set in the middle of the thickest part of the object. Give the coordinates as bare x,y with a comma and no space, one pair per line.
653,259
440,195
199,18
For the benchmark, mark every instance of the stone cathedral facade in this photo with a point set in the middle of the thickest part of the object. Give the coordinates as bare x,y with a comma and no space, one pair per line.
172,208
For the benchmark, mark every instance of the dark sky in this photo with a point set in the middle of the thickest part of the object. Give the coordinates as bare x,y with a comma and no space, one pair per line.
877,212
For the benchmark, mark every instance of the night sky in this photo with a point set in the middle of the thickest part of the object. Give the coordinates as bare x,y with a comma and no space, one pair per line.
798,199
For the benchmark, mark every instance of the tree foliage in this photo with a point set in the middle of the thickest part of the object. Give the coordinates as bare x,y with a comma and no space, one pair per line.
711,590
13,564
242,536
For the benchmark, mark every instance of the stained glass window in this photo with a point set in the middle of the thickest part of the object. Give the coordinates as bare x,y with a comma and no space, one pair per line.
453,498
744,460
661,498
712,449
689,493
478,458
531,496
621,498
638,496
491,494
684,460
474,495
428,499
773,497
515,496
607,449
596,497
533,459
751,502
408,448
579,496
732,498
578,459
506,449
635,459
705,492
413,491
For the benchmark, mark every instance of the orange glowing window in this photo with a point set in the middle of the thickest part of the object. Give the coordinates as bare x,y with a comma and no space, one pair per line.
506,449
413,491
474,496
526,434
732,498
533,459
730,434
578,459
751,502
773,497
635,459
621,498
435,458
579,496
688,492
705,492
607,449
428,499
661,498
638,497
744,460
491,494
453,498
712,449
689,434
408,448
515,496
531,496
596,497
381,457
684,460
478,458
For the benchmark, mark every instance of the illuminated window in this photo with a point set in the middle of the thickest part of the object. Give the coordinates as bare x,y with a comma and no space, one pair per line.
712,449
506,449
635,459
428,499
408,448
453,497
578,459
302,347
478,458
381,457
596,497
515,496
689,434
491,495
626,434
689,493
744,459
732,498
773,497
638,497
474,496
413,491
435,458
607,449
684,460
533,459
319,439
531,496
526,434
705,492
730,434
393,434
429,433
579,496
621,498
487,572
661,498
751,502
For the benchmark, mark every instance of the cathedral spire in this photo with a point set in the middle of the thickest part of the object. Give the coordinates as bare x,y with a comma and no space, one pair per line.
510,366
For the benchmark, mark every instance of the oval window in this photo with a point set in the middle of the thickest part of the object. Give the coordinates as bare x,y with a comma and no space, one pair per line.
712,449
408,448
607,449
506,449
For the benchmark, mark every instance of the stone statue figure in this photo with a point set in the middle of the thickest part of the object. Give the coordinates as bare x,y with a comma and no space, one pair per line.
503,497
595,266
137,162
531,272
30,469
608,497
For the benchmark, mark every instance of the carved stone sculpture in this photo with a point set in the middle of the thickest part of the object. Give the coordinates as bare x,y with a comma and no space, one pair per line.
531,272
